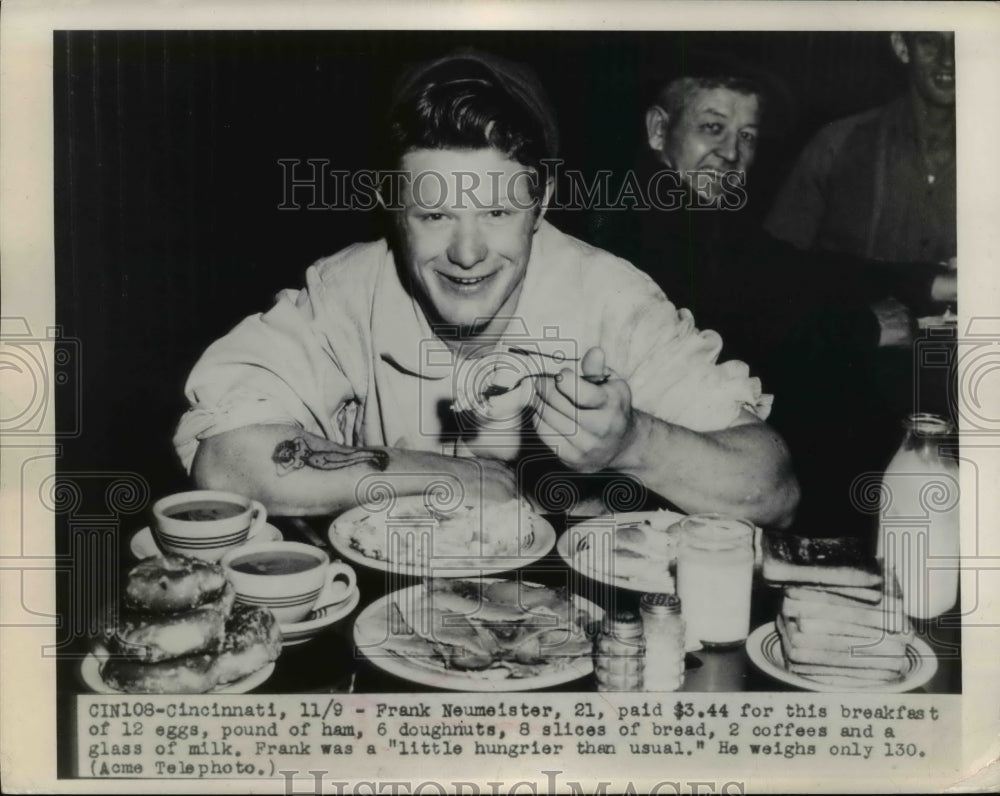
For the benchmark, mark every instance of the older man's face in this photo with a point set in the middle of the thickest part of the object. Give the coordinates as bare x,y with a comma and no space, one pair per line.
467,223
715,133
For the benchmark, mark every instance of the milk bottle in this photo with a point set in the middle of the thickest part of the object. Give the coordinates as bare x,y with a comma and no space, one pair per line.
919,519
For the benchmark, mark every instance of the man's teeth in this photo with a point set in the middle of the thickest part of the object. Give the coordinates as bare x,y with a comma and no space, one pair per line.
461,281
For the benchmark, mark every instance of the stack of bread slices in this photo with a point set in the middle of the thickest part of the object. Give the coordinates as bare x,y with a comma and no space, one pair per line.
841,622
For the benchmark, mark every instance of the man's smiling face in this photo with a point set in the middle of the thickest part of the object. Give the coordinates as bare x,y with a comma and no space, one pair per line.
932,66
714,133
466,226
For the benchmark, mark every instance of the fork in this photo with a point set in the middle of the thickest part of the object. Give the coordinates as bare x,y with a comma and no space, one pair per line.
493,390
526,353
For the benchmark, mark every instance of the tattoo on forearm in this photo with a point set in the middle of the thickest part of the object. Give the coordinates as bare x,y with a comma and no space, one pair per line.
294,454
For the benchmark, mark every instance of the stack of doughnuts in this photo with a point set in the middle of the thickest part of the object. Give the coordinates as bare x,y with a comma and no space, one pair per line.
178,630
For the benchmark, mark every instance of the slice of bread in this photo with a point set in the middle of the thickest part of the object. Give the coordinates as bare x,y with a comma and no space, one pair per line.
798,647
830,596
889,621
815,670
861,594
828,562
880,643
849,683
834,627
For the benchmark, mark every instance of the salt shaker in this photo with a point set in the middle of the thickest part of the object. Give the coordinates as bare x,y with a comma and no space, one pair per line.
663,629
620,652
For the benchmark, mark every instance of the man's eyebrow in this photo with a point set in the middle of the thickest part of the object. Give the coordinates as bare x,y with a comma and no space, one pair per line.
714,112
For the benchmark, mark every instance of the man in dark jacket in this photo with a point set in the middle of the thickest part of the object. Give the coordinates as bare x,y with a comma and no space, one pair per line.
802,321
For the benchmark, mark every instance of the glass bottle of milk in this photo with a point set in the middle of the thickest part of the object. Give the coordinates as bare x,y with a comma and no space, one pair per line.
918,527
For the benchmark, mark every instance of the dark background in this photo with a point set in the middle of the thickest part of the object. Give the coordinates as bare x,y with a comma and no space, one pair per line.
167,181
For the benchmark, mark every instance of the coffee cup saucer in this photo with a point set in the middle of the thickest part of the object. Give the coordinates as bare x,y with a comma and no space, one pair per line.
143,543
320,618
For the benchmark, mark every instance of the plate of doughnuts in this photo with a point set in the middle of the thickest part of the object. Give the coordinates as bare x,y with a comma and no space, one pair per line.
178,629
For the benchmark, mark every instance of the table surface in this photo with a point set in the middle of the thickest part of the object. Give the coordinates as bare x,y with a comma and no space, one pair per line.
329,663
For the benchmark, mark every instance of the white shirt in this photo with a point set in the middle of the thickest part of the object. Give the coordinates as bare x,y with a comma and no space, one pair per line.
351,356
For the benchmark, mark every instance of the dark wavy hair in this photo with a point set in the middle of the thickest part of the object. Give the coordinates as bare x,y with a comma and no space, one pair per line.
466,113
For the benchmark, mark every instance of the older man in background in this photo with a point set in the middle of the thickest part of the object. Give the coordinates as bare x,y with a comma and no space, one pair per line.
803,321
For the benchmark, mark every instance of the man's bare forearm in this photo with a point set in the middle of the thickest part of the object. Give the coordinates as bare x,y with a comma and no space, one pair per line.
744,471
295,473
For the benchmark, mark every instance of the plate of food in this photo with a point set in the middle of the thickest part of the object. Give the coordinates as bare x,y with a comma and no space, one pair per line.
179,630
841,625
866,669
480,634
411,537
636,551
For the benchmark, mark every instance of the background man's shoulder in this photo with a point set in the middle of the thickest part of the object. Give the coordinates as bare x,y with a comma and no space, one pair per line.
833,135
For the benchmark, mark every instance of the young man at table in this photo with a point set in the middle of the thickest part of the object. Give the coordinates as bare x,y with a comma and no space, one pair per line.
357,372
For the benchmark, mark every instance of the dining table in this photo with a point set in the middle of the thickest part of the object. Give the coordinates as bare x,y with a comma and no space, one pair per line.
331,663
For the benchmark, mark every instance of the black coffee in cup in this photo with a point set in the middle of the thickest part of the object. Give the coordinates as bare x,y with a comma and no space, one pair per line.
204,510
275,562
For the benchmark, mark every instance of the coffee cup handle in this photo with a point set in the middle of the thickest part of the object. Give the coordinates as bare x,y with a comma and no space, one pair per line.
340,570
259,517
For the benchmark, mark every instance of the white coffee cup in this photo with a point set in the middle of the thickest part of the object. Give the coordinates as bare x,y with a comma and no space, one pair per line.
206,523
287,578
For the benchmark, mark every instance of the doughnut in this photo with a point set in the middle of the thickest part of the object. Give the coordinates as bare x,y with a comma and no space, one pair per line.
153,637
252,640
191,674
172,583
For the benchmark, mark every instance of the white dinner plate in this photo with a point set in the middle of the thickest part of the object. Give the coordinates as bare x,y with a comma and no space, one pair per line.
585,548
319,619
533,547
764,649
90,672
143,543
372,624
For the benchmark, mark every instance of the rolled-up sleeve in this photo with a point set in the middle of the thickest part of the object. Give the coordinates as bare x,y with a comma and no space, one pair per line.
277,367
674,373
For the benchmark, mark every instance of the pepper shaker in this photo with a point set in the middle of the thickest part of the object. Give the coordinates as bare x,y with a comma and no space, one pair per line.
663,629
620,651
